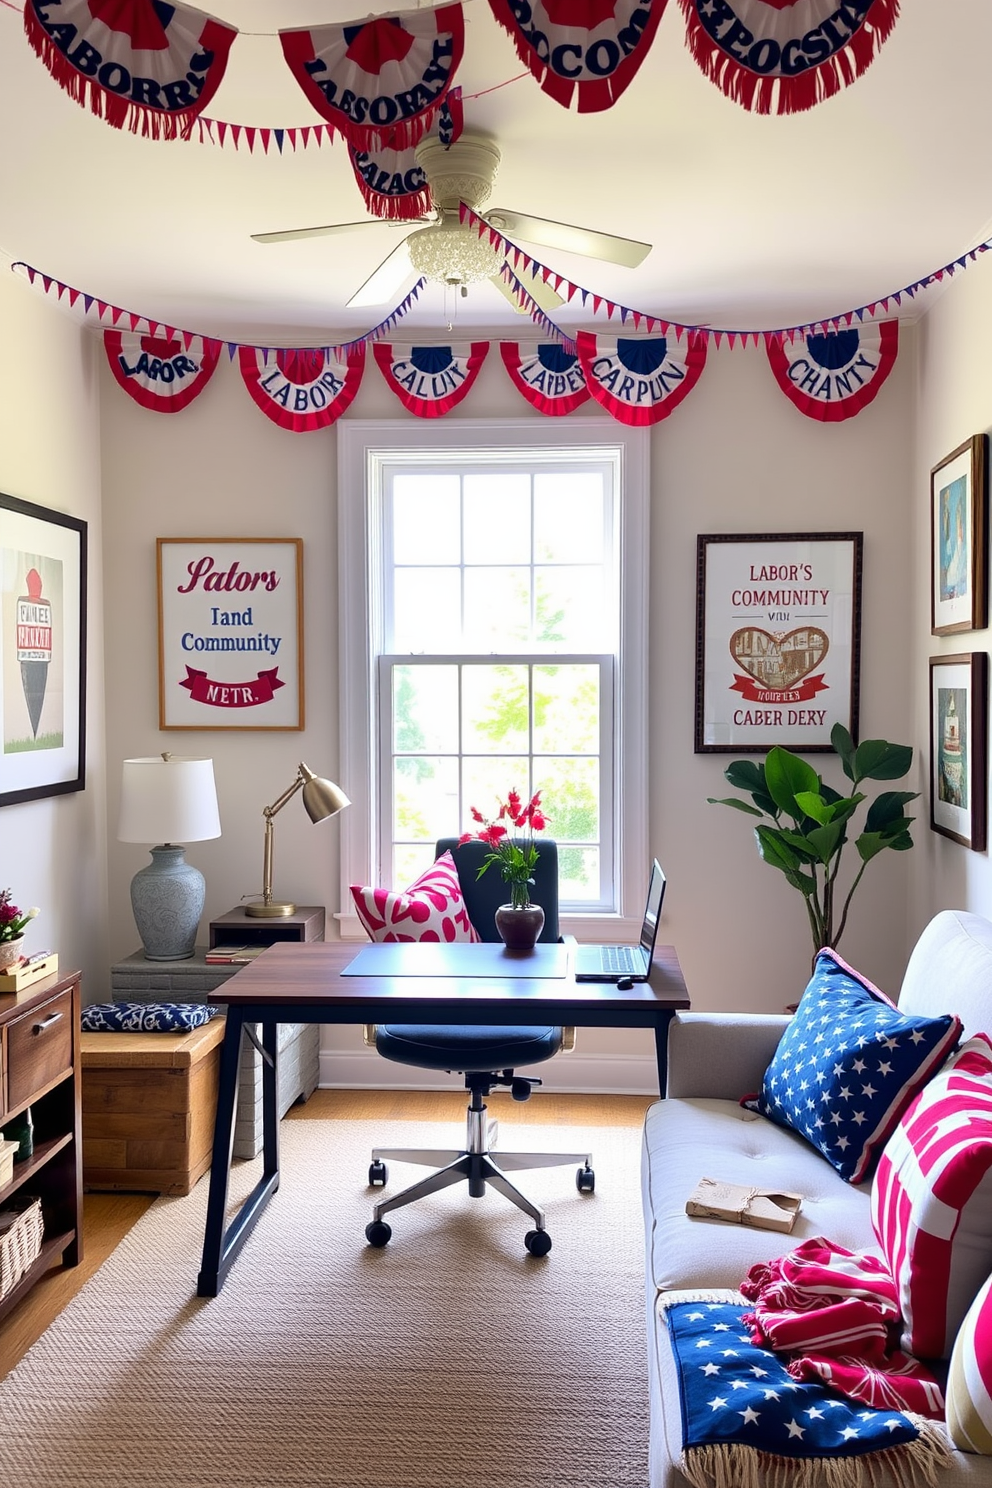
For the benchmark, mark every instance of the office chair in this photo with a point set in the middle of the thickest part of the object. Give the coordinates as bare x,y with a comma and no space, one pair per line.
485,1056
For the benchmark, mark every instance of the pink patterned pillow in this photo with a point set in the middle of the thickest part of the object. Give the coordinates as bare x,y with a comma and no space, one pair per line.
430,909
931,1204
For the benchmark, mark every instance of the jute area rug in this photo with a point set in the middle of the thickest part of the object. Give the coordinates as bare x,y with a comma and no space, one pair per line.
450,1359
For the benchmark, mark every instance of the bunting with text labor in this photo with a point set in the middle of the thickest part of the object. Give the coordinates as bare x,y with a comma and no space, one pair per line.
303,389
163,373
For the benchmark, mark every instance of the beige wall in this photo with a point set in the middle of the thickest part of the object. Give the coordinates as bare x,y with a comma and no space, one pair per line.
736,457
53,851
954,402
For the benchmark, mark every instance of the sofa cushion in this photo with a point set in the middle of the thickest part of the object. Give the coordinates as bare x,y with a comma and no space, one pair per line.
432,908
848,1065
685,1140
969,1379
932,1200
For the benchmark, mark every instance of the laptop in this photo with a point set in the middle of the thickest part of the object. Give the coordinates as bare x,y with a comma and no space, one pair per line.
608,963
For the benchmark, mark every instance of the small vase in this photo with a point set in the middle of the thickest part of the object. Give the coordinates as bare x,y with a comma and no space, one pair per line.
519,925
10,952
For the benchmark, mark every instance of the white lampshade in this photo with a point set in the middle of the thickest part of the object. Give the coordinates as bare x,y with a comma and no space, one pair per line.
171,799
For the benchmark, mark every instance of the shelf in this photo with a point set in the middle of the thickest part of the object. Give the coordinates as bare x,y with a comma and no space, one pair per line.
42,1152
51,1250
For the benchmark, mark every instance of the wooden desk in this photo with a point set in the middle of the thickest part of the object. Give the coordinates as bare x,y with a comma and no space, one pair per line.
302,983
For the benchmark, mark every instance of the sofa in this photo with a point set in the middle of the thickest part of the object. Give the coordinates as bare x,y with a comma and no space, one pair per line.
702,1129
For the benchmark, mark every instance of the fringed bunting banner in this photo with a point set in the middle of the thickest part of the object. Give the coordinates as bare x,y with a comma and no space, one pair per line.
586,49
783,56
379,82
430,380
163,373
147,66
641,380
302,389
548,376
392,181
831,375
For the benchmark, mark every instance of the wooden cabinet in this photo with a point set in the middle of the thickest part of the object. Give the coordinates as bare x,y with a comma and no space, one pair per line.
40,1068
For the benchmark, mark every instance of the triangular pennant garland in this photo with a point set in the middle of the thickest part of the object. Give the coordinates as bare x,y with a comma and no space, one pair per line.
832,374
161,373
303,389
150,67
589,49
430,380
642,379
549,376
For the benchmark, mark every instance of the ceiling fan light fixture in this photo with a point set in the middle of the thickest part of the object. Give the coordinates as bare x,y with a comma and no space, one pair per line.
452,254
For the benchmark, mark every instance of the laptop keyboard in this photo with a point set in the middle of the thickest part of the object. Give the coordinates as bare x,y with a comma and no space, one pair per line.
620,958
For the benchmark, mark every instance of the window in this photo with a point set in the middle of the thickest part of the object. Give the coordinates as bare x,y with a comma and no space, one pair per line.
493,598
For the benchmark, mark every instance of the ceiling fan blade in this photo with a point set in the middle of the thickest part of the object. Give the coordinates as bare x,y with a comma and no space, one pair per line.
540,292
384,282
569,238
290,235
498,282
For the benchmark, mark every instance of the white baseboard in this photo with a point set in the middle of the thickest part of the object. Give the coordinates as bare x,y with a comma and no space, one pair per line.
574,1074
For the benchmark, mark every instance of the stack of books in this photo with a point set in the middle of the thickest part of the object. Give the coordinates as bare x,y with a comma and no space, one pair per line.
227,955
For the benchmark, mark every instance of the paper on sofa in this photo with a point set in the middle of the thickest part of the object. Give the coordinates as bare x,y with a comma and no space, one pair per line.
761,1208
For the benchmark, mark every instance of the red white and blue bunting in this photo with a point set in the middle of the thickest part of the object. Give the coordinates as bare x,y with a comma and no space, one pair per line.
162,373
582,50
832,375
783,56
379,82
302,389
641,379
430,380
150,67
549,376
392,181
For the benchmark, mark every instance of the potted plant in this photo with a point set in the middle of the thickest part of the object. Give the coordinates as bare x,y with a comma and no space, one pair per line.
12,923
520,922
810,822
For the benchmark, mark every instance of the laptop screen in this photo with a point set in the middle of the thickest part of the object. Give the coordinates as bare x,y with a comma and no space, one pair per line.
652,910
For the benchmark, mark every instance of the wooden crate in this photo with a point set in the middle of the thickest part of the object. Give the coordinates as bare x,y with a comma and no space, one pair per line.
149,1106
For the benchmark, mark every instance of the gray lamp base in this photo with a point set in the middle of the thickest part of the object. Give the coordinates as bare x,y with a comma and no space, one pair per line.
167,899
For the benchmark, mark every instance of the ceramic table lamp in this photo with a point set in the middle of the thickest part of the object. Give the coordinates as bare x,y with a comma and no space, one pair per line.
167,799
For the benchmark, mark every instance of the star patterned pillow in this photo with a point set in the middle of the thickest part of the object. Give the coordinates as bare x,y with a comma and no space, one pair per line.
849,1064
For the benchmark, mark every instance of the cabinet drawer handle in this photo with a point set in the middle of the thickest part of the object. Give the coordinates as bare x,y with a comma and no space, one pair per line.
46,1023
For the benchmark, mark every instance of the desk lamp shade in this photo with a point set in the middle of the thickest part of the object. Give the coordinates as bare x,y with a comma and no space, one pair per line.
167,799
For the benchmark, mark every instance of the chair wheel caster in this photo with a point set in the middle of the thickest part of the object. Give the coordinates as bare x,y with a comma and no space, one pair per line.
538,1242
378,1233
378,1173
585,1180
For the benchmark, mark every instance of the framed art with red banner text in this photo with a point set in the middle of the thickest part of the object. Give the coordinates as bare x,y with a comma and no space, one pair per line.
230,632
778,640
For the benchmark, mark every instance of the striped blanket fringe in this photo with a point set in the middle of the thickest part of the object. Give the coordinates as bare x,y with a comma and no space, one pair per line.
915,1464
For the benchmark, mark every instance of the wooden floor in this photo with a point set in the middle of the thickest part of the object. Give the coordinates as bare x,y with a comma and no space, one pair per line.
107,1217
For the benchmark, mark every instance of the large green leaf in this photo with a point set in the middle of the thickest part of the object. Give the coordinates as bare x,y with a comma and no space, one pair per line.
799,844
785,774
877,759
733,801
887,808
826,840
812,804
844,745
774,849
745,775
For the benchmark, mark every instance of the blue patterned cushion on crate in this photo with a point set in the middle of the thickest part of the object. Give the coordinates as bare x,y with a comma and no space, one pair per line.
849,1064
145,1017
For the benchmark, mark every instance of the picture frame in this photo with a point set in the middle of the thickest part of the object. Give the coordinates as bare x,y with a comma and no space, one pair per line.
43,556
230,632
778,640
959,764
959,581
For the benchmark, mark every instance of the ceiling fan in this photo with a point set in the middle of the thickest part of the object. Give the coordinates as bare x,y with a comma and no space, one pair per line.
444,250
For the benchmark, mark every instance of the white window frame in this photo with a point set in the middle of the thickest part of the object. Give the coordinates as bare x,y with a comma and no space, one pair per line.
361,444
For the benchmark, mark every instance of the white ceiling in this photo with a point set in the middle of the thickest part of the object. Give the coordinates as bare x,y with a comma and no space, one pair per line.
756,222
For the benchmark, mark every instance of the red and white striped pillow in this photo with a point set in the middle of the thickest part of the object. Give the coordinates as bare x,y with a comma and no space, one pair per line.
931,1203
430,909
969,1379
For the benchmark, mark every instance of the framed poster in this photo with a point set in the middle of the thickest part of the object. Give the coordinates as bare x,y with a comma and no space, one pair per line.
959,747
778,640
230,632
959,581
42,652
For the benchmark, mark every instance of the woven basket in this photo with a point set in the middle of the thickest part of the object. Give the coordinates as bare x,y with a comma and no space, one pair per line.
21,1229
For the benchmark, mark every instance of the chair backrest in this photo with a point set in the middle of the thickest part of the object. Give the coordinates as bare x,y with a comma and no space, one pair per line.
483,896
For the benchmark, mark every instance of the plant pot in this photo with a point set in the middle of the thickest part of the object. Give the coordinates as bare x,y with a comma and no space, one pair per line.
10,952
519,926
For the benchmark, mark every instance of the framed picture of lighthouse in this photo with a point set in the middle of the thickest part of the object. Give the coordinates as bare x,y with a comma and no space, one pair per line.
42,652
959,747
959,537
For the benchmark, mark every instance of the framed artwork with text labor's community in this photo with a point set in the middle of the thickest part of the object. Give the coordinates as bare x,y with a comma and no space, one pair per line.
42,652
959,581
778,640
230,632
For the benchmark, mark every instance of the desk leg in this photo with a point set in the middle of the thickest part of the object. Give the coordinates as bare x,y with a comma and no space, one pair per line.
221,1246
661,1050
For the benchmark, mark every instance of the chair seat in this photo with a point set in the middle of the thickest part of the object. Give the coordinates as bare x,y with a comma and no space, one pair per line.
463,1047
